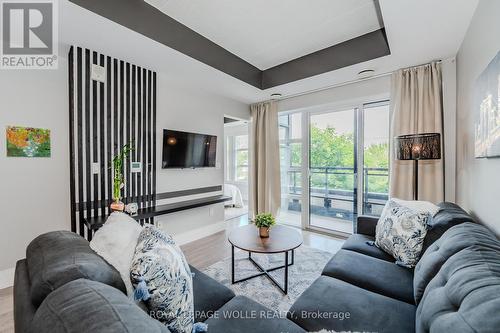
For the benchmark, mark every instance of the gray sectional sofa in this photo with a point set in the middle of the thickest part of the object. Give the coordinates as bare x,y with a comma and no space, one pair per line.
63,286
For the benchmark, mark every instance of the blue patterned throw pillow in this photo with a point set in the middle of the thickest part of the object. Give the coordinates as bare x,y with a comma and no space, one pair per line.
400,232
162,279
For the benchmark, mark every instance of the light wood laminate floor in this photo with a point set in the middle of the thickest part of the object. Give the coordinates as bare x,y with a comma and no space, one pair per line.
201,254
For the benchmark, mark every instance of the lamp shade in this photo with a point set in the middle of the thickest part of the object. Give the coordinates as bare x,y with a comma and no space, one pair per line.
424,146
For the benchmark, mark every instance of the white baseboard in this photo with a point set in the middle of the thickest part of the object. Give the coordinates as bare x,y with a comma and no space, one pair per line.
7,278
190,236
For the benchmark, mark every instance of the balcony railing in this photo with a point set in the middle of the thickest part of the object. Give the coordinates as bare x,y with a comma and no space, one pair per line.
335,200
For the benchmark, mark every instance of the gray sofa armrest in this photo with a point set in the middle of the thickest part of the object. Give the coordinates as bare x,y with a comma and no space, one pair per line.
366,225
24,310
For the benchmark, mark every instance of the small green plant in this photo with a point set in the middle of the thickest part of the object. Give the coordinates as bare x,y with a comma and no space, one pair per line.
118,171
264,220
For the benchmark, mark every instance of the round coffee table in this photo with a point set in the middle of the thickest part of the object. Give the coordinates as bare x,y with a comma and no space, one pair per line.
281,240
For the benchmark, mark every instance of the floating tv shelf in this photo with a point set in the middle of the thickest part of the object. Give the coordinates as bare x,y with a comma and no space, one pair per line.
94,223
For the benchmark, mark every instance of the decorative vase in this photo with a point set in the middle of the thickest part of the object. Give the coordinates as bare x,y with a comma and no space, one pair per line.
263,232
117,206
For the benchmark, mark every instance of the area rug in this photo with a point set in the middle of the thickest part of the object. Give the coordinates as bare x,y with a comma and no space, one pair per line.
309,263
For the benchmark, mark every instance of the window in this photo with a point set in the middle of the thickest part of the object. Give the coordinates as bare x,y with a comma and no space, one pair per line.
241,158
237,158
334,165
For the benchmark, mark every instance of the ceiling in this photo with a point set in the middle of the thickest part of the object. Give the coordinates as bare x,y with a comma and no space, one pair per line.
418,31
267,33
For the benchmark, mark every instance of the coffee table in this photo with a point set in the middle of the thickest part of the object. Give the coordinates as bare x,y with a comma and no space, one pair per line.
281,240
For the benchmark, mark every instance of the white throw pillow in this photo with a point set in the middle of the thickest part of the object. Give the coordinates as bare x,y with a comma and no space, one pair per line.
115,241
419,206
400,232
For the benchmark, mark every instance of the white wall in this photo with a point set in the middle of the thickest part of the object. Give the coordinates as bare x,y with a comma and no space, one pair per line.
478,180
190,110
34,192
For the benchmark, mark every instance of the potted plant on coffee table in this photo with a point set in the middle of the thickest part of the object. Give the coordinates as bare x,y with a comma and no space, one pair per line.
264,222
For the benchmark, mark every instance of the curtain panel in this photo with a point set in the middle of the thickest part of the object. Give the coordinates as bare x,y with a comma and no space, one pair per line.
417,107
265,185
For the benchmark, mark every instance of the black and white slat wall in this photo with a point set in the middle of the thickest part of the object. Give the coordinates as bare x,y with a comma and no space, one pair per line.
104,116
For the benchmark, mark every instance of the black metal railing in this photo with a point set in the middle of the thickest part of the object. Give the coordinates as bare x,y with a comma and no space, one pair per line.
337,186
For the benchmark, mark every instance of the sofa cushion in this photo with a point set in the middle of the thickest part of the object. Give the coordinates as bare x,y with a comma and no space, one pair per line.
451,242
83,306
372,274
464,296
56,258
209,295
401,232
333,304
162,278
115,241
366,244
448,216
242,315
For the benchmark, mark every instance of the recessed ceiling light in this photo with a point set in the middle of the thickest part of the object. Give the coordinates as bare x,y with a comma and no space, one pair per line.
366,73
276,96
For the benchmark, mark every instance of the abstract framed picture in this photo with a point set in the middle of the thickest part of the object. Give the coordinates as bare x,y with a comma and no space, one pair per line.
487,110
28,142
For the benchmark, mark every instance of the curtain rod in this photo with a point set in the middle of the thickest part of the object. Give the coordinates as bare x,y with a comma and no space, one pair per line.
352,81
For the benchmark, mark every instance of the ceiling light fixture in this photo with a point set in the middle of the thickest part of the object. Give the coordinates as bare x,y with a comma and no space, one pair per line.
276,96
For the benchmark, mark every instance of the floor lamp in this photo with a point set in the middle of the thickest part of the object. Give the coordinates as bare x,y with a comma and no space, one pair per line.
418,147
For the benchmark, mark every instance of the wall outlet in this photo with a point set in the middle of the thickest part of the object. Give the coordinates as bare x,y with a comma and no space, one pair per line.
95,168
98,73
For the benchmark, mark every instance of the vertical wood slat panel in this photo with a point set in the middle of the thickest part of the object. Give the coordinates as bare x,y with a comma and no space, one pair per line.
144,131
126,167
109,134
79,140
104,117
149,132
134,131
88,187
94,147
71,87
153,199
139,134
102,144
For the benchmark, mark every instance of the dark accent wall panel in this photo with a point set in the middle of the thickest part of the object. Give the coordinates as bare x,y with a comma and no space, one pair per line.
104,116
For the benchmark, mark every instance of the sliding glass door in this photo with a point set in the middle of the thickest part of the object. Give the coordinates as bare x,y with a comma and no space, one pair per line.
334,165
332,176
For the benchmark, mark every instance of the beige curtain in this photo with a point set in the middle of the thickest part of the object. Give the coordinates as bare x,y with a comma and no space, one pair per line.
417,107
265,185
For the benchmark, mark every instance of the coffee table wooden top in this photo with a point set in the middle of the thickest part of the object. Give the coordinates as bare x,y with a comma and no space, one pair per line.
281,239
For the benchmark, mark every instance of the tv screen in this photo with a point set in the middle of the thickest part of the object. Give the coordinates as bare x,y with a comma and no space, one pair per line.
188,150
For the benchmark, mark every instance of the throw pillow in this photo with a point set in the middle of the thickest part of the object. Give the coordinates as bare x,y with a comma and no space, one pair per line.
419,206
400,232
115,241
162,278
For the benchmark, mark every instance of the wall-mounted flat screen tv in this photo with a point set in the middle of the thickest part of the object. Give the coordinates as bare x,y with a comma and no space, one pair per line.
188,150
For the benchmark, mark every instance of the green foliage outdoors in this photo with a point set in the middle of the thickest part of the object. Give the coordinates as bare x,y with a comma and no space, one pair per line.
331,149
264,220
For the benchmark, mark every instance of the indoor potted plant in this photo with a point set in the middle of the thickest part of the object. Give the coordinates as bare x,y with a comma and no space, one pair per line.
117,204
264,222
